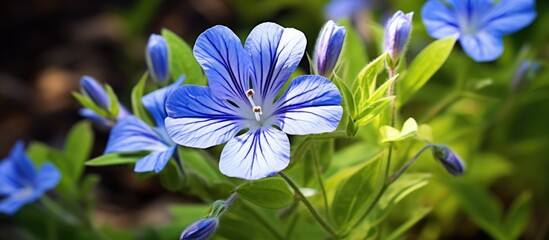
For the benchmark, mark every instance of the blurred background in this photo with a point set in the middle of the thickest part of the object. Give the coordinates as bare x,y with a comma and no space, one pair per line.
47,45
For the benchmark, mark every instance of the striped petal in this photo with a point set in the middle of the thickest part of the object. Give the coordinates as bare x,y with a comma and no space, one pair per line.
220,53
275,53
255,154
155,102
132,135
197,119
312,104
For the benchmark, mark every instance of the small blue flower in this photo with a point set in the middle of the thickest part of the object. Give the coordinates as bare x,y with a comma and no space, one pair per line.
21,183
526,72
338,9
157,58
133,135
328,47
242,95
397,33
480,24
97,93
449,159
201,229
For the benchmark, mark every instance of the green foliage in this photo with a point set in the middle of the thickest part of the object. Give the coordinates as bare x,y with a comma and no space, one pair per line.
268,192
391,134
424,66
137,106
116,159
181,59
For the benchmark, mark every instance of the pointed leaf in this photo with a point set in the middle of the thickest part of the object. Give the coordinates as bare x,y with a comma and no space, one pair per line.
137,106
78,147
116,159
268,193
88,103
181,59
365,83
518,216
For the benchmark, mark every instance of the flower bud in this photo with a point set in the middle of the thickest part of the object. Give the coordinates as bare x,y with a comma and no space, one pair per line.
397,33
328,47
525,73
157,58
92,89
201,229
449,159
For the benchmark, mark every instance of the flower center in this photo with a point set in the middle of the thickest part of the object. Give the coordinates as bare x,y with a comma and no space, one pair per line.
256,109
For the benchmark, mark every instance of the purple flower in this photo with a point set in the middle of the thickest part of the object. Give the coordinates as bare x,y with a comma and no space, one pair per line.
449,159
328,47
480,24
201,229
157,58
21,183
338,9
99,96
397,33
242,97
133,135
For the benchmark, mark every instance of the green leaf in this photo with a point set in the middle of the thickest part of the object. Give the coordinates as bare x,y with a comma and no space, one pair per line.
353,55
365,83
137,105
181,59
88,103
114,107
195,161
403,228
372,111
481,207
357,194
518,216
390,134
424,66
116,159
78,147
172,178
348,105
268,193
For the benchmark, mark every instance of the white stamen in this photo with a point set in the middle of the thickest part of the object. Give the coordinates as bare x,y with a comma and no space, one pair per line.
256,109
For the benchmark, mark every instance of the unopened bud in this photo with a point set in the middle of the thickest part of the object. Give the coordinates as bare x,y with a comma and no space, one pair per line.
93,90
328,47
397,33
157,58
449,159
526,72
201,229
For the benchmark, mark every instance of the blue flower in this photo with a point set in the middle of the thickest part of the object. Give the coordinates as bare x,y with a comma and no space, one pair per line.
157,58
133,135
201,229
328,47
242,95
338,9
21,183
480,24
397,33
99,96
449,159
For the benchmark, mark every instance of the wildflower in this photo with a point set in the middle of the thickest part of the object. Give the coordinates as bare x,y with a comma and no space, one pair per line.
21,183
157,58
479,24
328,47
449,159
397,33
243,85
99,96
201,229
526,72
338,9
133,135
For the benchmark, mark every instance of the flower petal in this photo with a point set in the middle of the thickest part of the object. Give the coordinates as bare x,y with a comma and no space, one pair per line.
132,135
509,16
16,170
482,47
155,161
439,20
255,154
275,53
47,178
197,119
155,101
312,104
11,204
219,51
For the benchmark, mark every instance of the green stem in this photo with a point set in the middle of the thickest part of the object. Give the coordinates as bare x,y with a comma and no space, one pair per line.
443,105
263,221
396,175
309,206
320,180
